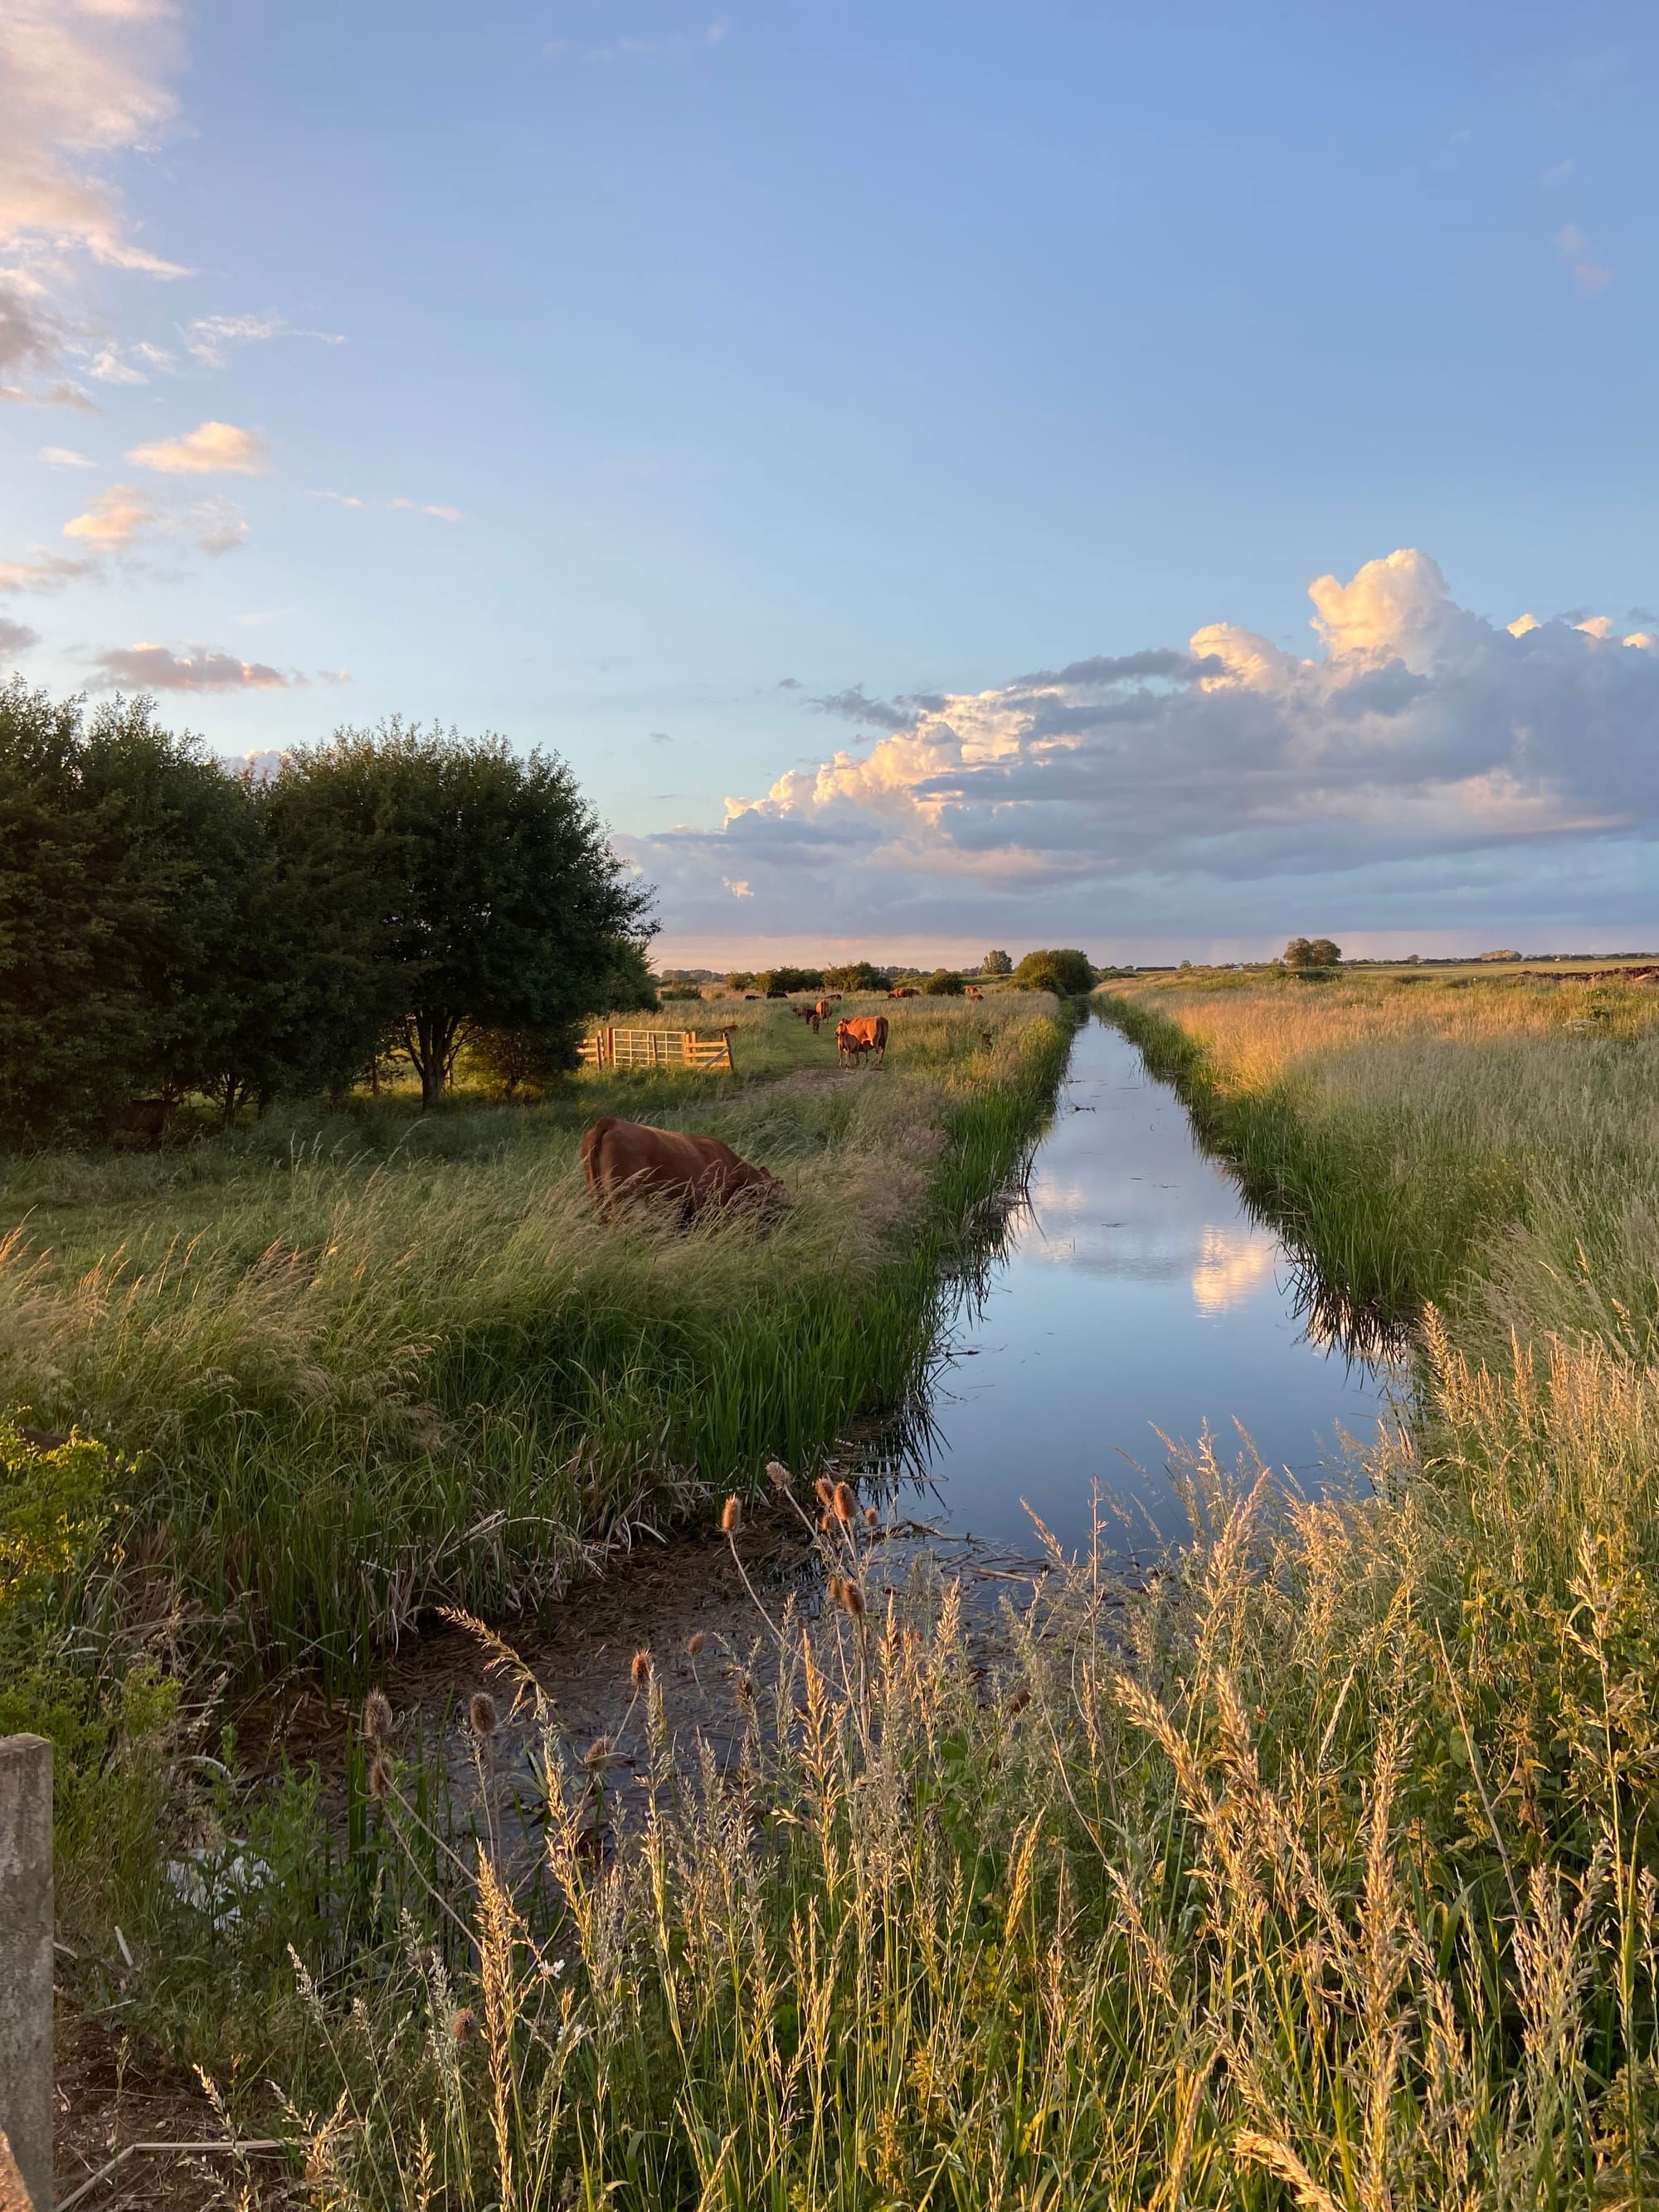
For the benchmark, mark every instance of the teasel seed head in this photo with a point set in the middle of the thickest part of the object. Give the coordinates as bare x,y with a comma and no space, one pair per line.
1018,1701
377,1718
835,1587
597,1753
378,1781
777,1474
731,1516
847,1505
481,1711
871,1518
639,1669
696,1644
825,1489
852,1597
464,2025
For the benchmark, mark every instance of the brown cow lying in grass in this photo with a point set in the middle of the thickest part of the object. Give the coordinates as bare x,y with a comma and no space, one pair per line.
630,1163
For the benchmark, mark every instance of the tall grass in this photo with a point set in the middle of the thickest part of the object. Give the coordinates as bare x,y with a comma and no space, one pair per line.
1493,1147
1323,1872
379,1363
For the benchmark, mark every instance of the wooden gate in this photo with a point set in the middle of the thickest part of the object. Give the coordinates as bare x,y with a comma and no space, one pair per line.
615,1048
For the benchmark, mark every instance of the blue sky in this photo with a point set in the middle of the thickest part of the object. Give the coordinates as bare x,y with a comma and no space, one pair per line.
629,376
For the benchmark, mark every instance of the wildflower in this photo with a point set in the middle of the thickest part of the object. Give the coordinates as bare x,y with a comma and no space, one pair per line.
639,1669
731,1516
481,1711
696,1644
463,2025
846,1504
777,1474
377,1717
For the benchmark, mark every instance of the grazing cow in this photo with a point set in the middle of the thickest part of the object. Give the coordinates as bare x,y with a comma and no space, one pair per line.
819,1015
860,1035
973,990
630,1162
805,1014
904,991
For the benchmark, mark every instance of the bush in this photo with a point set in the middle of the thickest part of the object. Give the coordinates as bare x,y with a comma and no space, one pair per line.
1065,971
675,993
775,982
856,975
943,983
514,1061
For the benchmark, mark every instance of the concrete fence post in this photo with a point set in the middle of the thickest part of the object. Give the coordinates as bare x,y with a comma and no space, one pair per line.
26,1925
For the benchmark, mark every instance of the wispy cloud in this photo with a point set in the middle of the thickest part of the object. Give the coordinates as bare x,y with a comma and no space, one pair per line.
399,505
210,339
17,637
1559,173
675,45
1574,249
64,457
211,449
111,519
48,572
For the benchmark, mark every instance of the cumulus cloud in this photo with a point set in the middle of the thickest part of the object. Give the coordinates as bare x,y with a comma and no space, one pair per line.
111,519
17,637
154,668
1419,732
211,449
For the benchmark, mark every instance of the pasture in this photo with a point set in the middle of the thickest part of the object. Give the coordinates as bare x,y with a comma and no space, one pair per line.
360,1363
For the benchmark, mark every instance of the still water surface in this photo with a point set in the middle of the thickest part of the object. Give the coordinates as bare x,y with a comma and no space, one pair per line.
1134,1293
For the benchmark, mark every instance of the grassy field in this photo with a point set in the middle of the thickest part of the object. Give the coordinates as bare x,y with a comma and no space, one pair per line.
362,1363
1324,1874
1321,1872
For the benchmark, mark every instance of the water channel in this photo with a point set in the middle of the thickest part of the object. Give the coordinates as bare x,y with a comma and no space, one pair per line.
1134,1293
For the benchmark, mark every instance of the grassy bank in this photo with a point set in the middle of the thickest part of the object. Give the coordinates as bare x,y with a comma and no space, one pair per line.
1328,1878
1491,1146
357,1364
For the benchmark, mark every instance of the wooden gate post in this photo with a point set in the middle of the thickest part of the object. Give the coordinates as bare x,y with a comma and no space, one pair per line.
25,1923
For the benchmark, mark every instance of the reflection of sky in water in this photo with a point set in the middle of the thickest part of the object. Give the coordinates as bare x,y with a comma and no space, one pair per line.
1138,1295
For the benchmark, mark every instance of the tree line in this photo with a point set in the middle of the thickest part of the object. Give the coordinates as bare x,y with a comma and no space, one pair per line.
168,926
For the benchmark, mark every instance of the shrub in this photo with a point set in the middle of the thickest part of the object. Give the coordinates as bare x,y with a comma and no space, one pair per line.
943,983
1067,972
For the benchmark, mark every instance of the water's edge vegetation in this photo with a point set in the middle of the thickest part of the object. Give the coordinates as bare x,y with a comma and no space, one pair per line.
1320,1872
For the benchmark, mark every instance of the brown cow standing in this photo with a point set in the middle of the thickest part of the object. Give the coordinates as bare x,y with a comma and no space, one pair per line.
628,1162
863,1034
820,1013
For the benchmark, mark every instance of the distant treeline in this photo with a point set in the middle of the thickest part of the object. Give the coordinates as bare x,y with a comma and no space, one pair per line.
1063,970
169,926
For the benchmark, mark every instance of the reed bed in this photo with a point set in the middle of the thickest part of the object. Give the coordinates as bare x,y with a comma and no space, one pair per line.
370,1363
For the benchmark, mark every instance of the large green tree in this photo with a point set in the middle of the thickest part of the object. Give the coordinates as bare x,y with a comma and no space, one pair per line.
1309,953
476,884
124,850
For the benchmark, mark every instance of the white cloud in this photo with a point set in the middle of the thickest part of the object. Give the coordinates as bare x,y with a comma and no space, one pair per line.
111,519
154,668
1420,735
674,46
64,457
211,449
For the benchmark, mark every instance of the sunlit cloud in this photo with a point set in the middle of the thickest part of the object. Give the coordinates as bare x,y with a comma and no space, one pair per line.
113,520
211,449
398,504
1574,248
199,668
211,339
1141,786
